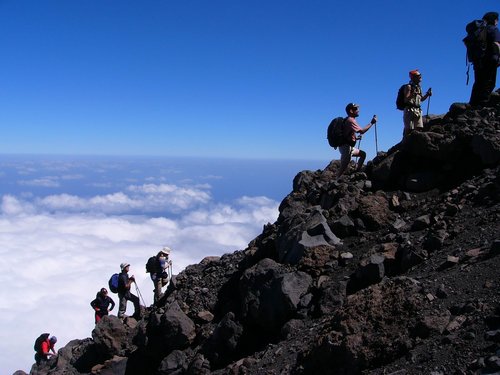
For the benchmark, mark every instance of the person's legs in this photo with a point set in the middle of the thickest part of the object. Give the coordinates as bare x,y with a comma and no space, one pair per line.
122,305
484,84
345,158
490,81
406,123
137,307
362,156
158,287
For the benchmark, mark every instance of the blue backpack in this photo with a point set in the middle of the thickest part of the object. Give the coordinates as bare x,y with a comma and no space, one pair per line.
113,283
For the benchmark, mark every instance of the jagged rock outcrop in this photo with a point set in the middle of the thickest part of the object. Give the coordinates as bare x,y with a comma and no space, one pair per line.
392,270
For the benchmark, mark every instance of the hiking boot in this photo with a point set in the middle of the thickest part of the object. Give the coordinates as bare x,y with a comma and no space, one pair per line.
136,316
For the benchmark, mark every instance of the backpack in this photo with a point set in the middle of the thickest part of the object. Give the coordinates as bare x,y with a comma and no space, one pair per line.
400,99
38,342
335,132
475,41
152,265
113,283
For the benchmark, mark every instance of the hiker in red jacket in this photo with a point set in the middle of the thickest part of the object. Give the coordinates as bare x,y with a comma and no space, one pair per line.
44,350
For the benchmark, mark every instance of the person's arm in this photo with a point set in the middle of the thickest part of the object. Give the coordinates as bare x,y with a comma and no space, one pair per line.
427,94
94,305
367,127
407,93
112,303
130,281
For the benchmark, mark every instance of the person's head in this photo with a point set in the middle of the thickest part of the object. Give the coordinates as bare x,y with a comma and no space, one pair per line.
415,76
104,291
53,339
165,252
124,266
491,18
352,109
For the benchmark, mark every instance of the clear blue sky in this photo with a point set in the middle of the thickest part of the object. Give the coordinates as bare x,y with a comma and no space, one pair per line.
219,78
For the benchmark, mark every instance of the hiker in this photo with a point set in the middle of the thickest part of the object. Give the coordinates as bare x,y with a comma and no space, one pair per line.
485,69
124,294
412,115
101,304
350,129
158,266
43,347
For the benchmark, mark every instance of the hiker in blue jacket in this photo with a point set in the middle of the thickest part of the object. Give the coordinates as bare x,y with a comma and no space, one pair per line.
485,70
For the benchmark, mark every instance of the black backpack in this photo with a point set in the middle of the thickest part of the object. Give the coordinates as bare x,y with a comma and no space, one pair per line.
400,99
38,342
335,132
152,265
475,41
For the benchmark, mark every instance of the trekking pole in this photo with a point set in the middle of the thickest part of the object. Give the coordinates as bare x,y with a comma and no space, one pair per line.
139,294
428,105
376,139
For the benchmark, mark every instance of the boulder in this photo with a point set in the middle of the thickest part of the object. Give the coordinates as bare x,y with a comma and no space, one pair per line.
374,211
269,296
174,328
110,335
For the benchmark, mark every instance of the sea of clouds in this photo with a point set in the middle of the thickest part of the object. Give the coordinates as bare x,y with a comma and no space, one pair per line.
58,247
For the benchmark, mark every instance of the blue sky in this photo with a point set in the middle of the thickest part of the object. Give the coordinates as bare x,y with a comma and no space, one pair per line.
251,79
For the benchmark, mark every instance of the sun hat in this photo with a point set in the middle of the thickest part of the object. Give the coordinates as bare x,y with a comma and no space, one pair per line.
124,265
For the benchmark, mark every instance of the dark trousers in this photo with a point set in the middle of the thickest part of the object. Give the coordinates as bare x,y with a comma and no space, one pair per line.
485,76
127,296
40,358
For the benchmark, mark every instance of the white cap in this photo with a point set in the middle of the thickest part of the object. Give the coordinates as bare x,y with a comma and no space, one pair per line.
124,265
166,250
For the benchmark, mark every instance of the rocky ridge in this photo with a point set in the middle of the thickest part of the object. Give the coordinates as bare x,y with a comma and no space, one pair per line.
394,270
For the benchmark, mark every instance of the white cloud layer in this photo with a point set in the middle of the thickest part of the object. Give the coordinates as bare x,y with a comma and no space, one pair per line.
57,251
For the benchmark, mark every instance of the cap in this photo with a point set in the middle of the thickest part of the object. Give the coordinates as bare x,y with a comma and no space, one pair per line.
166,250
124,265
351,106
490,17
53,339
414,73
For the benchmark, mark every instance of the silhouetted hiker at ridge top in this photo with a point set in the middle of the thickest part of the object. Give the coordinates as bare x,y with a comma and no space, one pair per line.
412,115
124,294
484,55
349,129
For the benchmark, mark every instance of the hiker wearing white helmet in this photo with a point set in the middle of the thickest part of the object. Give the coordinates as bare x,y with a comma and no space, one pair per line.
158,268
124,294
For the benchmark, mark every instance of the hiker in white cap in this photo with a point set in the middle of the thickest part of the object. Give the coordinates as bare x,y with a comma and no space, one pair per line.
124,294
158,268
